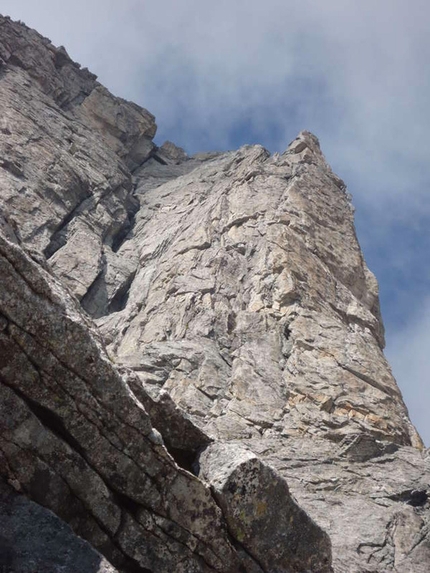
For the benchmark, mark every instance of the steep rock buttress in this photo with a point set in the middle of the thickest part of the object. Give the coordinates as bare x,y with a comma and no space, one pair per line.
230,409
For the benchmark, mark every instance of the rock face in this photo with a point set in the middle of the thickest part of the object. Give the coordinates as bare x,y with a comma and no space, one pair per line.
191,361
250,263
33,539
65,146
76,439
254,500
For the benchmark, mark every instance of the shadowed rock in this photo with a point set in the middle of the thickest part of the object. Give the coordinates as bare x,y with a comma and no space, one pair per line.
34,539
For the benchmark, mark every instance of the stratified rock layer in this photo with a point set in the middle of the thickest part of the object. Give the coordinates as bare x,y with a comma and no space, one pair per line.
75,438
244,345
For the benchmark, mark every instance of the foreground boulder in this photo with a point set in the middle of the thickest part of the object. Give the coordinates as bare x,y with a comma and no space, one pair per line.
260,512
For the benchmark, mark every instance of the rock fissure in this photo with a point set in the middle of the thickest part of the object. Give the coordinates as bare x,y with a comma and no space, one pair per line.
66,368
58,240
53,422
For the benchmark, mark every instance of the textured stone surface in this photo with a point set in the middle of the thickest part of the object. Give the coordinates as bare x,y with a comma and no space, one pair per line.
370,497
249,273
261,513
252,307
75,438
239,319
65,147
33,539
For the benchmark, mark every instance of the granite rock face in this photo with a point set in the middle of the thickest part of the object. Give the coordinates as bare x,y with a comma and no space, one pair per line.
250,281
66,145
191,348
252,307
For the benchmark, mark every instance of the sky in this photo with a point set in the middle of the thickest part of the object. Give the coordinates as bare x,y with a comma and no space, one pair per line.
220,74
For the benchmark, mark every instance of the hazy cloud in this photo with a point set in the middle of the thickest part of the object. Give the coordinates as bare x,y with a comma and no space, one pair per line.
408,353
353,72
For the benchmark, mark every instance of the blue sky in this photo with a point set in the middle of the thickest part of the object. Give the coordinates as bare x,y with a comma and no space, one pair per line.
221,74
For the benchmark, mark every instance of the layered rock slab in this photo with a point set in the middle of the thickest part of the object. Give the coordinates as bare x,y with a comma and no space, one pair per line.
75,438
67,146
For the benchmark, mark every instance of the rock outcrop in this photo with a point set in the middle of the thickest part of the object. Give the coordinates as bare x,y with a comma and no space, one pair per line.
65,147
191,350
34,539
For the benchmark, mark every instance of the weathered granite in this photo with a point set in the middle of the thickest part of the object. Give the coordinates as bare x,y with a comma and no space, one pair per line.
75,438
252,307
370,496
66,145
249,273
242,326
